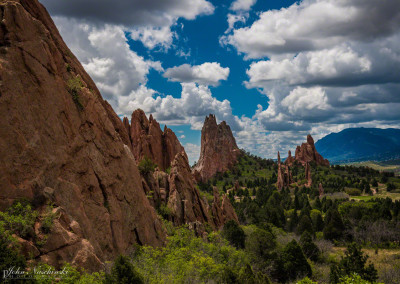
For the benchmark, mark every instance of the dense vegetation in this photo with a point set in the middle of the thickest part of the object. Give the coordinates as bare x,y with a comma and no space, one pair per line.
360,205
349,235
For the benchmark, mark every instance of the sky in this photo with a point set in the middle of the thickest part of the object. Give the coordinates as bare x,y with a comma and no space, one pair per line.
275,70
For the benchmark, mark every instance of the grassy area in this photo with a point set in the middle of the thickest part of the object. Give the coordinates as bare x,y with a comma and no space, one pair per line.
378,166
386,262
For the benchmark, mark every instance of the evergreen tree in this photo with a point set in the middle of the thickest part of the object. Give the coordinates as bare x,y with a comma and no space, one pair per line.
123,272
334,226
309,247
354,261
304,225
234,234
292,263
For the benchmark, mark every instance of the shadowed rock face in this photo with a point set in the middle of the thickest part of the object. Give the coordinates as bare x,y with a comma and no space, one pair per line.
307,153
219,151
149,141
59,140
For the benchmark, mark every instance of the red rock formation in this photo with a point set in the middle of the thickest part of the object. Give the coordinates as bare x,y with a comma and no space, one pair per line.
289,160
321,190
219,151
307,153
149,141
61,141
284,177
307,170
280,182
184,199
222,212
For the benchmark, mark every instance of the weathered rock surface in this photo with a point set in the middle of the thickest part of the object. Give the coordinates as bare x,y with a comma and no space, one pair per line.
307,173
307,153
222,211
290,159
284,177
184,199
320,190
219,151
149,141
63,142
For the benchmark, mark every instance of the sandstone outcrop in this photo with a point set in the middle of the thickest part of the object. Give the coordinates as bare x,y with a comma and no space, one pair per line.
284,177
184,199
307,174
290,159
219,151
222,212
307,153
149,141
320,190
60,141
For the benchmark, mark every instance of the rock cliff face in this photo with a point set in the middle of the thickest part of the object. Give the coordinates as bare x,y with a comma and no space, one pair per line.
307,153
60,141
219,151
149,141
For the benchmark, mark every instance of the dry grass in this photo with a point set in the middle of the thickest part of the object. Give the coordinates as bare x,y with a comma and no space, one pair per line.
386,261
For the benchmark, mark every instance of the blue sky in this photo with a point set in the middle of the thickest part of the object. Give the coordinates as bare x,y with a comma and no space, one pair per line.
274,70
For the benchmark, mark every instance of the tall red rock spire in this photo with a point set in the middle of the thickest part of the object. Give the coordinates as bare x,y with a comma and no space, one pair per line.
219,151
307,153
149,141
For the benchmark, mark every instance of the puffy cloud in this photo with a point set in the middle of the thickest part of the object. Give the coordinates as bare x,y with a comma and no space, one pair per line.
316,24
242,5
106,56
148,21
233,19
209,73
153,37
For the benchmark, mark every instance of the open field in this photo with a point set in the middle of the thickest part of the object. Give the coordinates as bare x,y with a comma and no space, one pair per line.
379,166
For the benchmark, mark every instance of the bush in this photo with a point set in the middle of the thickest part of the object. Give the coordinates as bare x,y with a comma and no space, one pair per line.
123,272
146,166
353,191
292,263
234,234
309,248
354,261
74,87
9,254
164,211
20,219
259,242
190,259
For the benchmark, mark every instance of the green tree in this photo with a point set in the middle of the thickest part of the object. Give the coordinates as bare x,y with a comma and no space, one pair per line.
304,225
123,272
334,226
354,261
234,234
292,263
146,166
309,248
260,242
317,221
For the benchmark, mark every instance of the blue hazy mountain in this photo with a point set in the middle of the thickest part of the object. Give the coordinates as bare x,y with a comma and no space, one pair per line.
360,144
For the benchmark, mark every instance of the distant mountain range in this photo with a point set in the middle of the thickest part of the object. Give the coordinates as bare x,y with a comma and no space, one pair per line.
360,144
